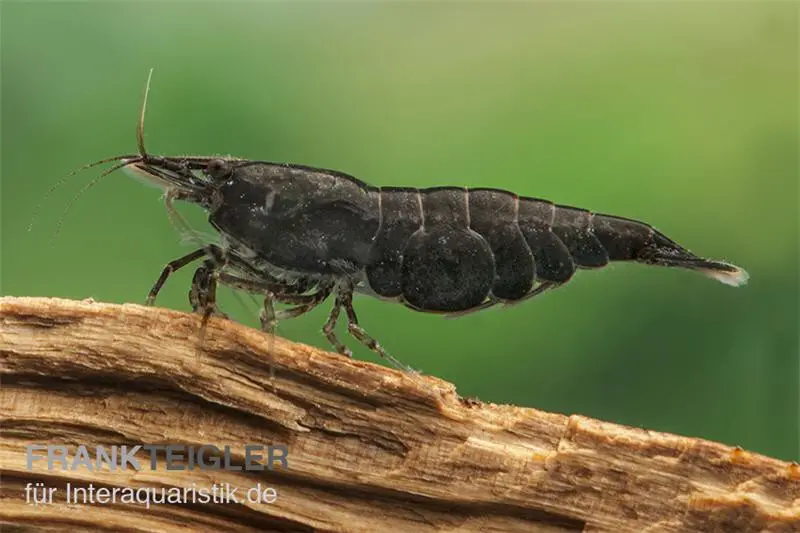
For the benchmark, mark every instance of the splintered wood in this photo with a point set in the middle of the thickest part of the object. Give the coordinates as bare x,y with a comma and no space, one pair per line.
369,448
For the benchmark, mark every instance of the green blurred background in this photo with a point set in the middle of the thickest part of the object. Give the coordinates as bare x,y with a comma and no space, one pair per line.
682,114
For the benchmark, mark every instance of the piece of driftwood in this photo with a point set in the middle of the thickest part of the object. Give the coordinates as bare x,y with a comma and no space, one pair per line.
370,448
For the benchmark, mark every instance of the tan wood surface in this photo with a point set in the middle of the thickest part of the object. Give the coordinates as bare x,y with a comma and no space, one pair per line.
370,448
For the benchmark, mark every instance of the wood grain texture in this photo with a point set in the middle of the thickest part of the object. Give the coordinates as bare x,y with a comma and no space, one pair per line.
370,448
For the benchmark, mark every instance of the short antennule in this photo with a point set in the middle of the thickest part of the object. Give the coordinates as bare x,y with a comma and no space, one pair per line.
140,127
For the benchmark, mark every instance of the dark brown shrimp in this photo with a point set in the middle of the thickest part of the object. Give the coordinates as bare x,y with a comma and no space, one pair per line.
297,235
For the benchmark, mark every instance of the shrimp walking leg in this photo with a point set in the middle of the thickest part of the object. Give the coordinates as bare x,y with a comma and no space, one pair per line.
363,337
329,329
171,268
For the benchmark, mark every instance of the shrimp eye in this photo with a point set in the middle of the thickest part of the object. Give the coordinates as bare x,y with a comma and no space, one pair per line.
218,169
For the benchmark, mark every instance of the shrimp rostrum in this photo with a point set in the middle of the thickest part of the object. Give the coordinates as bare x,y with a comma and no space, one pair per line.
298,235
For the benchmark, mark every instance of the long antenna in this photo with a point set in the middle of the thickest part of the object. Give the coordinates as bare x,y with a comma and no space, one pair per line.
140,128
